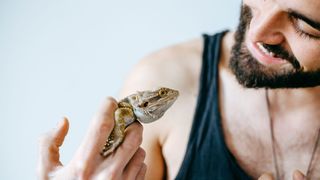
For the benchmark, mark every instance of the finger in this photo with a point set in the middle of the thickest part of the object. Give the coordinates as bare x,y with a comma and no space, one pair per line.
61,131
142,173
131,143
134,165
266,176
49,157
120,158
88,154
298,175
135,168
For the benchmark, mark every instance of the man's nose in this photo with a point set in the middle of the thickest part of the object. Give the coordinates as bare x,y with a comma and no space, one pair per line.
267,26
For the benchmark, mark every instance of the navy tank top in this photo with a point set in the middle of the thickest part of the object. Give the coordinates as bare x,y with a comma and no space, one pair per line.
207,156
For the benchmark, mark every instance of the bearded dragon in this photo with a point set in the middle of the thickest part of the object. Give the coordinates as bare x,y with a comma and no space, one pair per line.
143,106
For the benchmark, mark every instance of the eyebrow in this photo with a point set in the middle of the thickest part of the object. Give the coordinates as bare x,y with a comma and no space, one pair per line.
304,18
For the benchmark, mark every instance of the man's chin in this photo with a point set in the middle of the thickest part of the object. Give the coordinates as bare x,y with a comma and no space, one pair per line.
251,73
250,77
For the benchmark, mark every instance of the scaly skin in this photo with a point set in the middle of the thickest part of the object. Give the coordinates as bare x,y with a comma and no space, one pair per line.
145,107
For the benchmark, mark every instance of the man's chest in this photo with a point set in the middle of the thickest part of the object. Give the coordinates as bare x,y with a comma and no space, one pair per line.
252,146
247,128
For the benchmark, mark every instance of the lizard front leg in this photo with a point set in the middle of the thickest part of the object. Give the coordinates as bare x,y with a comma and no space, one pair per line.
123,115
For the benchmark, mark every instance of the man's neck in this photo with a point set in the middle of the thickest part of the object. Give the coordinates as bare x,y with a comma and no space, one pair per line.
295,99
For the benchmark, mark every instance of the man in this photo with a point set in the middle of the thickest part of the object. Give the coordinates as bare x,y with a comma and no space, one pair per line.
248,106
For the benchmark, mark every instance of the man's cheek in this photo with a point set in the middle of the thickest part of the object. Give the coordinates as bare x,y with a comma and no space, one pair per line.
308,59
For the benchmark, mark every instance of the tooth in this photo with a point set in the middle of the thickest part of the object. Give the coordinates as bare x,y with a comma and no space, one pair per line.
260,46
264,50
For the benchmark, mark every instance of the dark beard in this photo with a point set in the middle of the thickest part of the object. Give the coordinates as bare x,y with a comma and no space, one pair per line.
250,73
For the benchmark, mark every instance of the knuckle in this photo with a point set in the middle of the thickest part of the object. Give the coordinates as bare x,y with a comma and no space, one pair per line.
106,111
141,153
111,102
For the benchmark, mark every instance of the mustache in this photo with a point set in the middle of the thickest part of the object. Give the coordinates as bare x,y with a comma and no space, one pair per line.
282,53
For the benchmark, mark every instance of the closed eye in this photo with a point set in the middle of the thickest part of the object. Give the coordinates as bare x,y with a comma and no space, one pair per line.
305,26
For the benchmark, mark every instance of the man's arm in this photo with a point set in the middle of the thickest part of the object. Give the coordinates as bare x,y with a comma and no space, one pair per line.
174,68
146,76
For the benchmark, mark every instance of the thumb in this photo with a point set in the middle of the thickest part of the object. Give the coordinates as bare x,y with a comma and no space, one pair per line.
49,143
297,175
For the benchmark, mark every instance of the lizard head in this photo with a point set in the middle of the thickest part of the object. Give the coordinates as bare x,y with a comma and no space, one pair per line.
149,106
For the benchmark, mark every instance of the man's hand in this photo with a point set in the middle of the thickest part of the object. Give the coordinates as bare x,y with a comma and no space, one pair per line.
125,163
297,175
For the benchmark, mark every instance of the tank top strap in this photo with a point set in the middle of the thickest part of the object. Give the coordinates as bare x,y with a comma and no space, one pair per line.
207,156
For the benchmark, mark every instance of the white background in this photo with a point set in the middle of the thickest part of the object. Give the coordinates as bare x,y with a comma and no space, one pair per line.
62,57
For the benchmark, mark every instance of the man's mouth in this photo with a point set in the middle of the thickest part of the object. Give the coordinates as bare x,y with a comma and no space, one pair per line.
264,50
263,55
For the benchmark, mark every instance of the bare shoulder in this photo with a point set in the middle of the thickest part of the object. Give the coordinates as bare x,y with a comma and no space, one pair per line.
172,66
176,67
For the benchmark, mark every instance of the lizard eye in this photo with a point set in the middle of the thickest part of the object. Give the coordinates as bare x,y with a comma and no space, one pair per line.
162,92
134,98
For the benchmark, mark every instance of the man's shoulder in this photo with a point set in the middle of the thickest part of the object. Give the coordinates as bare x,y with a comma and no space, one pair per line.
176,66
176,56
178,51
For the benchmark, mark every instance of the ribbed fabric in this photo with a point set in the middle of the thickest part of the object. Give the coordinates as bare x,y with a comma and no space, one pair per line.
207,156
